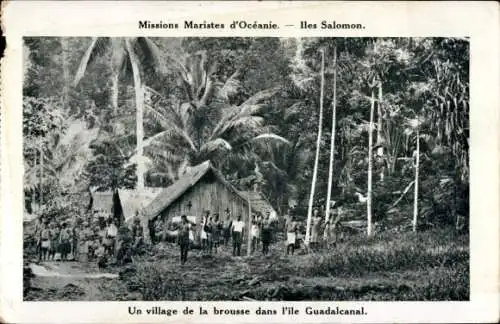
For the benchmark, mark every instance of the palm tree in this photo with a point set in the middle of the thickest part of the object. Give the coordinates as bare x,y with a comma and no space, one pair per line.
332,140
134,51
316,159
62,157
284,171
370,163
417,162
204,124
415,126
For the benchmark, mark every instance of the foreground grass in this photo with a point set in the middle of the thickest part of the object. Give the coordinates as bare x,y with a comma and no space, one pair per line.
431,265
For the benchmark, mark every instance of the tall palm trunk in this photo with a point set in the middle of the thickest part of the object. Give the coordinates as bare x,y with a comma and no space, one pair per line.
33,191
116,59
114,92
139,101
316,159
249,229
380,149
415,199
41,176
65,67
370,162
332,139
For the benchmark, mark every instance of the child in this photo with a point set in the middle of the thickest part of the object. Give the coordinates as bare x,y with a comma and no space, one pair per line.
291,235
101,255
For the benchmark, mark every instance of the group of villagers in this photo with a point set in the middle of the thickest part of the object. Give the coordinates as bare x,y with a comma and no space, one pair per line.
98,238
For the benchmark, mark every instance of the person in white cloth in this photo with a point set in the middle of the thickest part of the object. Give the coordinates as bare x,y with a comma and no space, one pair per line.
203,231
255,232
111,233
291,235
237,230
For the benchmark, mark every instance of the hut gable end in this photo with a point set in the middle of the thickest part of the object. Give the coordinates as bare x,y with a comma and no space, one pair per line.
202,188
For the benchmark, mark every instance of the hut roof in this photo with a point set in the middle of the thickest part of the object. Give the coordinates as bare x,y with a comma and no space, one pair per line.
134,200
259,203
168,195
102,201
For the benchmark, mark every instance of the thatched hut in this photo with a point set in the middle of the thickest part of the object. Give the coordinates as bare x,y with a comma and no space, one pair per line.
123,204
260,205
200,189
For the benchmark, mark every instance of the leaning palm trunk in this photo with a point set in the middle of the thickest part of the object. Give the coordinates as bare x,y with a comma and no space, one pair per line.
370,162
332,140
415,199
316,159
139,100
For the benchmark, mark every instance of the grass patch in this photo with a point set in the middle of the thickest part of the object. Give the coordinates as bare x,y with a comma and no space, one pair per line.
432,265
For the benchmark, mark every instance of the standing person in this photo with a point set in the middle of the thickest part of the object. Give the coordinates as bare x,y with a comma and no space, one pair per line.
326,233
315,230
44,241
86,234
101,255
38,228
111,234
266,234
55,231
64,241
228,224
216,231
183,238
203,232
137,234
209,228
124,243
255,232
237,230
75,232
158,230
291,235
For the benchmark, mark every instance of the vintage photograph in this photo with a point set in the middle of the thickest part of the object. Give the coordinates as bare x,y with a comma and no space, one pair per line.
245,169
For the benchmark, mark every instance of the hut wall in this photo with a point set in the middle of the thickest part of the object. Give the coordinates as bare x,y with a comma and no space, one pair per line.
208,194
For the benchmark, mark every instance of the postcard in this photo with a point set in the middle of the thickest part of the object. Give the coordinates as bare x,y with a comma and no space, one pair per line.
249,162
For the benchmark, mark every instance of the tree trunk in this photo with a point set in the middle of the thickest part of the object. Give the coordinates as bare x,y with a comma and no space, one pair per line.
415,199
332,139
249,229
114,92
41,176
316,159
370,162
65,67
380,140
139,100
33,190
